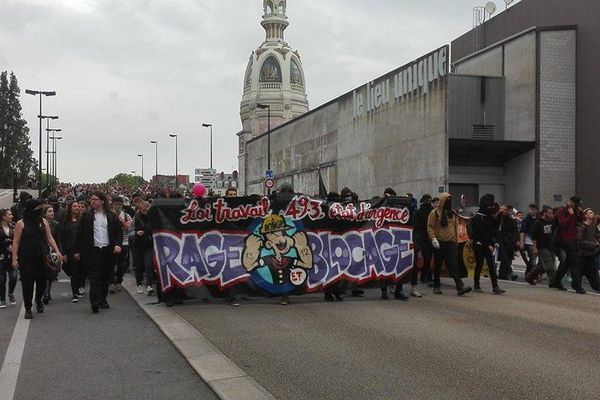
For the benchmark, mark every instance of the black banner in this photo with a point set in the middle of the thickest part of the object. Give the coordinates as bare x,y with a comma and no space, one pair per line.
281,244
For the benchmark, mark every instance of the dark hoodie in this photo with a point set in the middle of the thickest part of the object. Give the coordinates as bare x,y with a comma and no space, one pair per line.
485,228
442,224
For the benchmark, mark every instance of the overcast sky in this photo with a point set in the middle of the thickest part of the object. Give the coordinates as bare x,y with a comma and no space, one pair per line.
130,71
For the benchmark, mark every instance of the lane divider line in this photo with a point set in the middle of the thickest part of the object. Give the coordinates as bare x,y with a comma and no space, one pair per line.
9,373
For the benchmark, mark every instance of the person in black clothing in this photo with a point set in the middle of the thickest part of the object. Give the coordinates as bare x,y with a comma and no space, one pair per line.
543,248
507,237
48,214
332,292
485,231
98,240
424,242
347,197
18,208
29,252
68,232
143,247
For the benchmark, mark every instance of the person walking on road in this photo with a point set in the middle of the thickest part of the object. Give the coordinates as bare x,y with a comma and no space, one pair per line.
98,240
48,213
72,266
424,242
442,228
485,233
525,239
567,218
7,233
587,249
143,247
122,259
29,252
543,248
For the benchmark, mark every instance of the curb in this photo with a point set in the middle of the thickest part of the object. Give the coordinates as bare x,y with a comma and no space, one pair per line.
223,376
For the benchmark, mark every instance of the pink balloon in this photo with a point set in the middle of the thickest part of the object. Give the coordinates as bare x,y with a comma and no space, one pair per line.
199,190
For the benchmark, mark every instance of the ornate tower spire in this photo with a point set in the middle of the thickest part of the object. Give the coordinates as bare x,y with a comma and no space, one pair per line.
274,84
274,20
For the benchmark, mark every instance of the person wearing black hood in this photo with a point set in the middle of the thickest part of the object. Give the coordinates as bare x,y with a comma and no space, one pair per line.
485,233
442,228
348,196
30,247
424,242
18,207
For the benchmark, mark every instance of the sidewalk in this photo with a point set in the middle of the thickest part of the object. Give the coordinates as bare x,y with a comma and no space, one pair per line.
119,353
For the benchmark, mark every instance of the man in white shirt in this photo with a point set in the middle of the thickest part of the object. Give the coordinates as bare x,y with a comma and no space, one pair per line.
99,240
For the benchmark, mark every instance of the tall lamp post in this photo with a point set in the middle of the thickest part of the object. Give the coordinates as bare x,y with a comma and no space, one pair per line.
49,167
211,146
142,156
40,93
54,157
268,108
173,135
47,118
155,143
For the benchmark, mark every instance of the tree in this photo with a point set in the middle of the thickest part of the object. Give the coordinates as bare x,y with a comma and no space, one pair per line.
16,156
126,180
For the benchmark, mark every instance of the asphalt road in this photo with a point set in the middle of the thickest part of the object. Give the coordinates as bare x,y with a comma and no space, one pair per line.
71,353
531,343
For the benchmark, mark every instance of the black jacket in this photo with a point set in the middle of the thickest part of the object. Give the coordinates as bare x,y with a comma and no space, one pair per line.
485,229
84,242
6,242
422,218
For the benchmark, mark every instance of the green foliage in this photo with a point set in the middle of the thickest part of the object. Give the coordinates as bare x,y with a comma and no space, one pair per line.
16,157
127,180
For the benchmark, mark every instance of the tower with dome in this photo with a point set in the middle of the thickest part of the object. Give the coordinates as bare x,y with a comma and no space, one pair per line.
274,77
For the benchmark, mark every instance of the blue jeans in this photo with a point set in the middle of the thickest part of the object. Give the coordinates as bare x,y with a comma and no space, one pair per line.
7,269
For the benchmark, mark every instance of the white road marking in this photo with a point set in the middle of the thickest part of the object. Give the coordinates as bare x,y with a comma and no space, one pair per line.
12,361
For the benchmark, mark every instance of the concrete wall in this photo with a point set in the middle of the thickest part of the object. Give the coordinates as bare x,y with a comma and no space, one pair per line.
519,180
401,144
547,13
516,62
558,96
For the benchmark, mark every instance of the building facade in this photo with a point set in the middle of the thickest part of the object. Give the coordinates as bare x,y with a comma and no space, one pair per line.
274,84
507,112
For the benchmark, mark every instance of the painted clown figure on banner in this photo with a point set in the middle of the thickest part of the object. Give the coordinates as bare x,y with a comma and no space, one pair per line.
278,245
277,255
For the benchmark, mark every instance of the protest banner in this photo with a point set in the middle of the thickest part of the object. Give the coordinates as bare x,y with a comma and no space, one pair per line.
281,244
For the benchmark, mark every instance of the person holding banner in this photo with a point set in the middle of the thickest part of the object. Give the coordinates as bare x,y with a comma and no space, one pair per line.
442,228
485,231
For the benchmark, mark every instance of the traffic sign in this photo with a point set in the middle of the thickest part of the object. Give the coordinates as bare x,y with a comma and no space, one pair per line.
269,173
269,183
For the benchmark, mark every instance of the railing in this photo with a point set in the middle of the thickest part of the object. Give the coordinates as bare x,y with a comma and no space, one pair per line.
297,88
270,86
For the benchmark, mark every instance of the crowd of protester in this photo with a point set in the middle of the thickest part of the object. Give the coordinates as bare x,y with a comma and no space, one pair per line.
97,232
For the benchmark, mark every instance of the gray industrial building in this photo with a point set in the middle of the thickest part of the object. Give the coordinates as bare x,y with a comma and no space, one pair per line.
507,109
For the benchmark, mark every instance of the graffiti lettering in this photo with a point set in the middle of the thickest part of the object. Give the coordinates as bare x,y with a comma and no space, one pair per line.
364,213
245,211
195,213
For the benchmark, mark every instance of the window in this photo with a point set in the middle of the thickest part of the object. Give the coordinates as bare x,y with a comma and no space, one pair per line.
282,7
295,74
268,8
270,71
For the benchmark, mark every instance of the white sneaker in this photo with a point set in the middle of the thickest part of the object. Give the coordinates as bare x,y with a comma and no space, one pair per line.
415,293
2,304
140,289
149,290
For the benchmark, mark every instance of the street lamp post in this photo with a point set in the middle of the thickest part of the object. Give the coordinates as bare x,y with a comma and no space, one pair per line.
54,158
47,118
211,146
268,107
176,165
40,93
155,143
49,169
142,156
